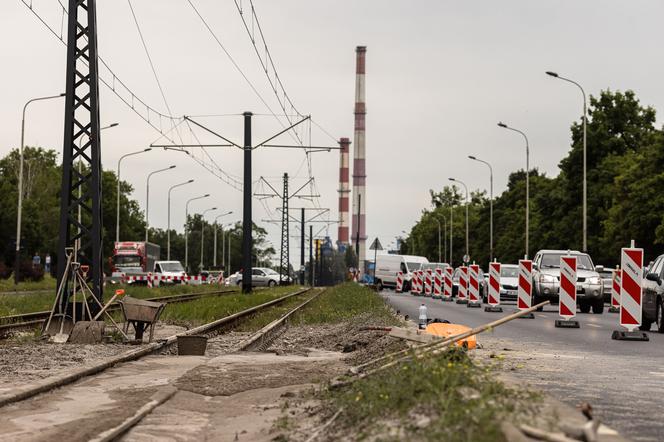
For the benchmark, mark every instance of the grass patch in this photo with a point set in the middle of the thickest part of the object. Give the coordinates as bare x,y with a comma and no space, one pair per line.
344,302
14,304
443,397
7,285
208,309
262,319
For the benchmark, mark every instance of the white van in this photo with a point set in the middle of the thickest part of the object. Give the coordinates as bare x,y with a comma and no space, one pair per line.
388,266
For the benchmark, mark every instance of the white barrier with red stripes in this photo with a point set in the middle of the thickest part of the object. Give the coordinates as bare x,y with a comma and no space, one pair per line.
494,284
414,282
615,289
399,287
428,276
567,292
474,283
631,283
463,284
438,283
420,282
447,286
525,289
154,280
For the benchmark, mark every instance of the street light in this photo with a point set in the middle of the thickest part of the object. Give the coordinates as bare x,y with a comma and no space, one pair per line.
214,261
585,163
490,204
20,185
168,229
445,231
117,209
147,198
186,230
465,187
203,232
505,126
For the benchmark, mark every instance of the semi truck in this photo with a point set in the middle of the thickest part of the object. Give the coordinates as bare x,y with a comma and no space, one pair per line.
134,257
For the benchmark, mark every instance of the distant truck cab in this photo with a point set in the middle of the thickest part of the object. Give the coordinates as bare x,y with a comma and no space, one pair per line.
133,258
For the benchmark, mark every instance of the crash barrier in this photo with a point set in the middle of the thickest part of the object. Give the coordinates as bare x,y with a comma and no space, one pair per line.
631,264
154,280
427,282
474,285
414,282
567,293
420,282
615,291
525,289
447,287
462,296
438,283
494,288
399,287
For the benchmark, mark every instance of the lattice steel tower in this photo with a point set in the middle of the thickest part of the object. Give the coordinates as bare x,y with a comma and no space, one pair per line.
284,268
82,143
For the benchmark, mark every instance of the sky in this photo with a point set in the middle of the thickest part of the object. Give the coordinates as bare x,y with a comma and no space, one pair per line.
440,75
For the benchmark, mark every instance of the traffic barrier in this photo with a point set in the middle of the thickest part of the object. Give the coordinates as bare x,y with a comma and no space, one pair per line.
420,282
615,291
525,290
567,293
494,289
427,282
399,287
447,286
415,282
155,280
474,286
462,297
631,294
438,283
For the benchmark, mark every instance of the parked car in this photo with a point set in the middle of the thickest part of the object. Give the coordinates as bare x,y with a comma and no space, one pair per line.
652,305
509,283
546,280
607,280
389,265
260,277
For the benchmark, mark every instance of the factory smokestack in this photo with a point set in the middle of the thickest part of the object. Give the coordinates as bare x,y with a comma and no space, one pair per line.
344,191
359,160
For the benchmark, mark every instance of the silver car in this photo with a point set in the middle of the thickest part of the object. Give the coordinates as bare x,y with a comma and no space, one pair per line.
260,277
546,280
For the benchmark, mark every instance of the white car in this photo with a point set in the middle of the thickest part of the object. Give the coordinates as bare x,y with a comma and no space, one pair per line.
170,269
260,277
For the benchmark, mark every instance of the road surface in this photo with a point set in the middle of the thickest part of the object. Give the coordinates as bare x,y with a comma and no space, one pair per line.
623,381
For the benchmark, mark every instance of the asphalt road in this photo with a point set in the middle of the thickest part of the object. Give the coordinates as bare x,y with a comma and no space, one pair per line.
624,381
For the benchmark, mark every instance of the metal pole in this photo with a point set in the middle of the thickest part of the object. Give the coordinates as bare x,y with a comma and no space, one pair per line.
302,247
147,198
229,253
311,256
214,259
357,235
451,231
490,203
186,229
223,248
168,229
203,234
439,256
19,189
246,215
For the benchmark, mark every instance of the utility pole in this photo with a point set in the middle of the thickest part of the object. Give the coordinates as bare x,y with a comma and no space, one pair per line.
81,129
302,248
247,240
311,256
285,239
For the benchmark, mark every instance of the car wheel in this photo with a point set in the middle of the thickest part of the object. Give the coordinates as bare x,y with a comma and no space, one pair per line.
584,307
537,301
660,316
271,283
379,285
598,307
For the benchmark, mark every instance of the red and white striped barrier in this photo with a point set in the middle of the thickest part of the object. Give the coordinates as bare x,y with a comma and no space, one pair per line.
474,285
414,290
154,280
428,276
462,297
494,284
420,282
399,287
447,286
525,290
438,283
615,291
567,293
631,282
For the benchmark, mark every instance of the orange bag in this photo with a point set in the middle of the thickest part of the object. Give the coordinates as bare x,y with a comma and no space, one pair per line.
448,330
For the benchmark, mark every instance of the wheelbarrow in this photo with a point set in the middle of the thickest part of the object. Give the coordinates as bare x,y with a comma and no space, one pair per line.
141,314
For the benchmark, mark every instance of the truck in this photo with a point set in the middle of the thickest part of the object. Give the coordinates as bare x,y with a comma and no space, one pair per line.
387,267
134,258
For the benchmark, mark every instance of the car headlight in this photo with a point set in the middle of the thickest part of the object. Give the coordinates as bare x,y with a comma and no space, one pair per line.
594,280
547,279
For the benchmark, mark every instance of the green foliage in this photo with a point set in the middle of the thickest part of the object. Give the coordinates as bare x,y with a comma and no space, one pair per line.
625,156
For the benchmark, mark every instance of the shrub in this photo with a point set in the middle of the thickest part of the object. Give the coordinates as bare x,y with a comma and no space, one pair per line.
5,271
30,273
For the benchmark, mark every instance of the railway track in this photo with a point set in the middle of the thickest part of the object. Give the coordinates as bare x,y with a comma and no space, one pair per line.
26,321
258,340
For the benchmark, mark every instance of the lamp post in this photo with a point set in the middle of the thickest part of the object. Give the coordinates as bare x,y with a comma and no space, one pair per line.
186,229
214,260
505,126
117,205
451,231
465,187
168,229
203,233
444,230
490,204
19,189
585,162
147,198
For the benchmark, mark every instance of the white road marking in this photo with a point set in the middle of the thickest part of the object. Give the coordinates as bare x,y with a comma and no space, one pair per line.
593,325
543,316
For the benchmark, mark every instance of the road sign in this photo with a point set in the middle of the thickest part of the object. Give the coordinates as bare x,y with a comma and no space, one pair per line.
631,263
567,292
375,245
474,285
447,287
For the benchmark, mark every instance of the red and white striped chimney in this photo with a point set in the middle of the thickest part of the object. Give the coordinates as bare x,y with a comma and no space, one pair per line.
344,191
359,159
